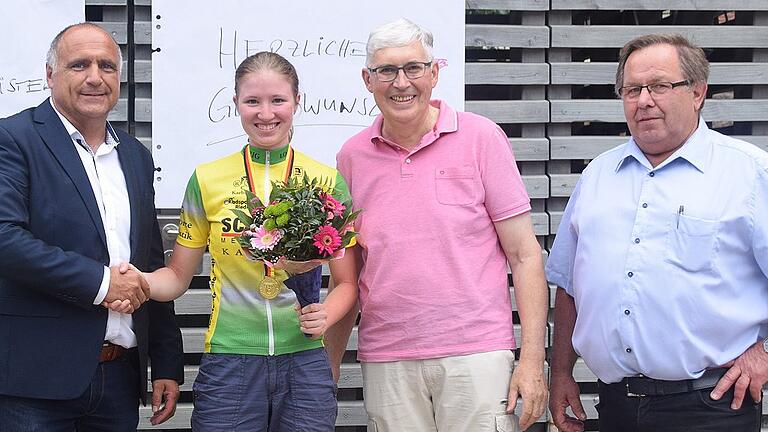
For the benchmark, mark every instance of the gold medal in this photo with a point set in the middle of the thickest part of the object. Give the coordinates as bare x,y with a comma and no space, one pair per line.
269,287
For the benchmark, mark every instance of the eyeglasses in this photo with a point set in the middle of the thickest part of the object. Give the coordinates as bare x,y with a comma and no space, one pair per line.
412,70
659,88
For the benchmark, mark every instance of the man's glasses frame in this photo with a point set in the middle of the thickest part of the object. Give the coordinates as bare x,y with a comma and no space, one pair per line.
658,88
412,70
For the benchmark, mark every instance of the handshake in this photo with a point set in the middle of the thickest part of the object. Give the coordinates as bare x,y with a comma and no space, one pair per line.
128,289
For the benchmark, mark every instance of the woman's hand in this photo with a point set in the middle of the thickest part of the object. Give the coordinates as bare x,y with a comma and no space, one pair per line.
120,306
313,319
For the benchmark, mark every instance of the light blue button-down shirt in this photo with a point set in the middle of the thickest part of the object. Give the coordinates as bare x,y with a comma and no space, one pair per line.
667,265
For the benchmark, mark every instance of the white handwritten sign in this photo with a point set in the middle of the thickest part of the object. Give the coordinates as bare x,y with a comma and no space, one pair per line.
26,29
198,47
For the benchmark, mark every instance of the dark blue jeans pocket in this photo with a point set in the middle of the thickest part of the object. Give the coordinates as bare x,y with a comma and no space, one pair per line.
215,393
313,392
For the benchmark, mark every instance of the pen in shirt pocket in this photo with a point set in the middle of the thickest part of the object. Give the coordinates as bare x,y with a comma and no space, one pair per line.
679,213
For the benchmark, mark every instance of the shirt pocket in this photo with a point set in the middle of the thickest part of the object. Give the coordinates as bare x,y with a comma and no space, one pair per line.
692,243
455,185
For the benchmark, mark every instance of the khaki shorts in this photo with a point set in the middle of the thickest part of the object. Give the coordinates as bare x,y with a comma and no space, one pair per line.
451,394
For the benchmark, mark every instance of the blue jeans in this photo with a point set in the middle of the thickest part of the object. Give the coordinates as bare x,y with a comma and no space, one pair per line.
109,404
289,392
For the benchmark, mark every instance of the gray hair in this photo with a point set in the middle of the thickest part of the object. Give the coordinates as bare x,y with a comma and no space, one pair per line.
398,33
52,58
693,62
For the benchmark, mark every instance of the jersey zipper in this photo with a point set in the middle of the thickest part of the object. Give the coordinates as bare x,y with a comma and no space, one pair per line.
270,325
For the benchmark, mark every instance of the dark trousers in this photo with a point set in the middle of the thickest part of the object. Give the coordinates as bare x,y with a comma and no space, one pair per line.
683,412
109,404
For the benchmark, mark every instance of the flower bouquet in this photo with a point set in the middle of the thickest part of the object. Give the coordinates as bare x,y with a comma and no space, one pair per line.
302,222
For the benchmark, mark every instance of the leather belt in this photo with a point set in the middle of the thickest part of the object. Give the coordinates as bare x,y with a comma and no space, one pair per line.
110,351
644,386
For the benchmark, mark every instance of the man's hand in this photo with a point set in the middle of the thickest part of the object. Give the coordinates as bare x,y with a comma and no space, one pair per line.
127,285
165,394
528,382
313,319
747,371
565,393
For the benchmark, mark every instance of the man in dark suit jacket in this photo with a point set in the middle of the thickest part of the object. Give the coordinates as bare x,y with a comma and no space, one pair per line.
76,199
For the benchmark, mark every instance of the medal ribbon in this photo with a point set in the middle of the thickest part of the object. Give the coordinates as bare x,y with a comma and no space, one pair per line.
268,271
249,170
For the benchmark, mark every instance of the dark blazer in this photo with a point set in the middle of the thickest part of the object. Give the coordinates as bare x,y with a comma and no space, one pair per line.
52,256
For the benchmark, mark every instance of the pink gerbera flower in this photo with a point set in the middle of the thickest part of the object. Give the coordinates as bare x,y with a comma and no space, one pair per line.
327,240
332,205
264,239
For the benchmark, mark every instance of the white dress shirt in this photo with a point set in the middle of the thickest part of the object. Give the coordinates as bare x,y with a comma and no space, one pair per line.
667,265
108,183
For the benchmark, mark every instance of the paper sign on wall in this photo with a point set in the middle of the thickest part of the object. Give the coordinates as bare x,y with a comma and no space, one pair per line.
26,29
198,47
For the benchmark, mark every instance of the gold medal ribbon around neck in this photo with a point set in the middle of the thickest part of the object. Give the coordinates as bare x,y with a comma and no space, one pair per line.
269,287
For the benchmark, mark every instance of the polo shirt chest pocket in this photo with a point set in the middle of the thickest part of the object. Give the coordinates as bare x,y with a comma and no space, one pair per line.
455,185
692,243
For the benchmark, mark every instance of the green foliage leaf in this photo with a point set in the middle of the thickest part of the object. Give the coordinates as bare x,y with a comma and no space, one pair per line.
243,216
251,198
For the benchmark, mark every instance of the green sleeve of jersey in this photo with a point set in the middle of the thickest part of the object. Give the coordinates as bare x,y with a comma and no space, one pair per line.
341,191
193,223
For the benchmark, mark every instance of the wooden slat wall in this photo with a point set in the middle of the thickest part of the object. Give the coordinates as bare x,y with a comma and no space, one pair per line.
530,49
658,5
574,36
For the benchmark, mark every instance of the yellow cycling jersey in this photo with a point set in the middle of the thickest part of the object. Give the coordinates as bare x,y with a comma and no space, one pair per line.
242,321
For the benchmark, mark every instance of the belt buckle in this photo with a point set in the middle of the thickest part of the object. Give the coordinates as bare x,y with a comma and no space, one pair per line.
633,395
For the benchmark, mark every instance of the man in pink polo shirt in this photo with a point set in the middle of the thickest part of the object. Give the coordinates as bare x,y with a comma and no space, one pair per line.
444,211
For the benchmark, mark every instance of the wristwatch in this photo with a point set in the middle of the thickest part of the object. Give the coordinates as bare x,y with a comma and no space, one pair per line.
765,345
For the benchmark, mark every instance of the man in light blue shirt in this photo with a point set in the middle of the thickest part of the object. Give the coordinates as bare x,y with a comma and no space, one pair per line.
661,261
